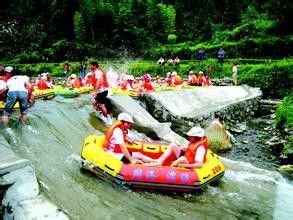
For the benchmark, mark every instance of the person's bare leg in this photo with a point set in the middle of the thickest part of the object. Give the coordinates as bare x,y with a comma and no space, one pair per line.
144,158
5,120
102,107
172,148
24,118
180,160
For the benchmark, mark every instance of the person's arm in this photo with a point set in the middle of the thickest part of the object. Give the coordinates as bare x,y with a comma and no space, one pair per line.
99,77
198,158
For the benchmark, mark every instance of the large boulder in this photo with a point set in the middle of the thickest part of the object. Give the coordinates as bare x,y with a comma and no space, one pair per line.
218,138
287,170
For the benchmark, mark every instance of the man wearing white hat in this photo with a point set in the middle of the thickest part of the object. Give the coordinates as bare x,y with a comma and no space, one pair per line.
8,72
19,90
115,141
190,157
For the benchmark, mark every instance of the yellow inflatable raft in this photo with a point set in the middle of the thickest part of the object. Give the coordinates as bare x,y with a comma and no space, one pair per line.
168,178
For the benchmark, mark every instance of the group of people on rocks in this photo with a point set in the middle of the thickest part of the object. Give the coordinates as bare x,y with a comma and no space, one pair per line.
170,61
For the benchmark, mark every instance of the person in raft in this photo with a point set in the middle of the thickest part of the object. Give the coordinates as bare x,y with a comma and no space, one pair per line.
190,157
116,138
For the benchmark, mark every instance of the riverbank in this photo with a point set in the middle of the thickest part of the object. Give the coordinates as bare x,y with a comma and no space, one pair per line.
20,193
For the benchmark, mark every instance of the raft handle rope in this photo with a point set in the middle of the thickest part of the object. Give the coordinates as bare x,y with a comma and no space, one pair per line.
109,167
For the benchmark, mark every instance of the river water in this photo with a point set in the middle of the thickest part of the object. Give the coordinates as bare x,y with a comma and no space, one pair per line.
53,142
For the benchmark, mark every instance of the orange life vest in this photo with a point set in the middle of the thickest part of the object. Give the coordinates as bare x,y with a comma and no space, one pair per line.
104,82
109,133
76,84
202,79
192,148
42,84
192,80
178,80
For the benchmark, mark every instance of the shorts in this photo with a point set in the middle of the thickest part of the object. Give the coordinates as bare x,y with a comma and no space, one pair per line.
125,160
101,98
12,98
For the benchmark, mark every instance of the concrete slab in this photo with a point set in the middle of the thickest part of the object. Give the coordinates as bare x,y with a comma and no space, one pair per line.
202,100
9,161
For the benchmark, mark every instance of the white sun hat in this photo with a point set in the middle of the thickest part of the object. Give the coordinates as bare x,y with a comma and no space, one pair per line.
196,132
8,69
125,117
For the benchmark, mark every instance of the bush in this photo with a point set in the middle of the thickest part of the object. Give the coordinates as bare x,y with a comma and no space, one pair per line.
274,79
172,38
284,113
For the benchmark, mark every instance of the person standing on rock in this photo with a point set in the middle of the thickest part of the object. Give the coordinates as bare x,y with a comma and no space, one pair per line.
19,90
234,74
190,157
100,90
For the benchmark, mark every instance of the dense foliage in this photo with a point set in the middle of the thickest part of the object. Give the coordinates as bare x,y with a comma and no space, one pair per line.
284,119
275,79
57,30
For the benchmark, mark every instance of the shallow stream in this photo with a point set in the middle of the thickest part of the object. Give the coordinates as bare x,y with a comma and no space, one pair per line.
53,142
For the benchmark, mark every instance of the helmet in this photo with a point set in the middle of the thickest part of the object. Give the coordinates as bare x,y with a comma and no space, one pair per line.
191,72
196,132
125,117
73,76
8,69
200,72
2,85
129,77
174,73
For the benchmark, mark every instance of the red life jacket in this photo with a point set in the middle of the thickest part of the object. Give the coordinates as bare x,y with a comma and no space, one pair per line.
104,82
76,84
202,79
124,85
178,80
42,84
192,148
148,85
169,81
109,133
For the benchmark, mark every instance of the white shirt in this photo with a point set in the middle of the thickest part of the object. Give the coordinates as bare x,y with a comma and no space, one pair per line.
234,69
199,155
117,138
17,83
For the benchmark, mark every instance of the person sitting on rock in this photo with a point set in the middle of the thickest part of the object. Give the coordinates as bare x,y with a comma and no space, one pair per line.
201,79
192,79
161,61
170,62
176,61
176,79
116,138
190,157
